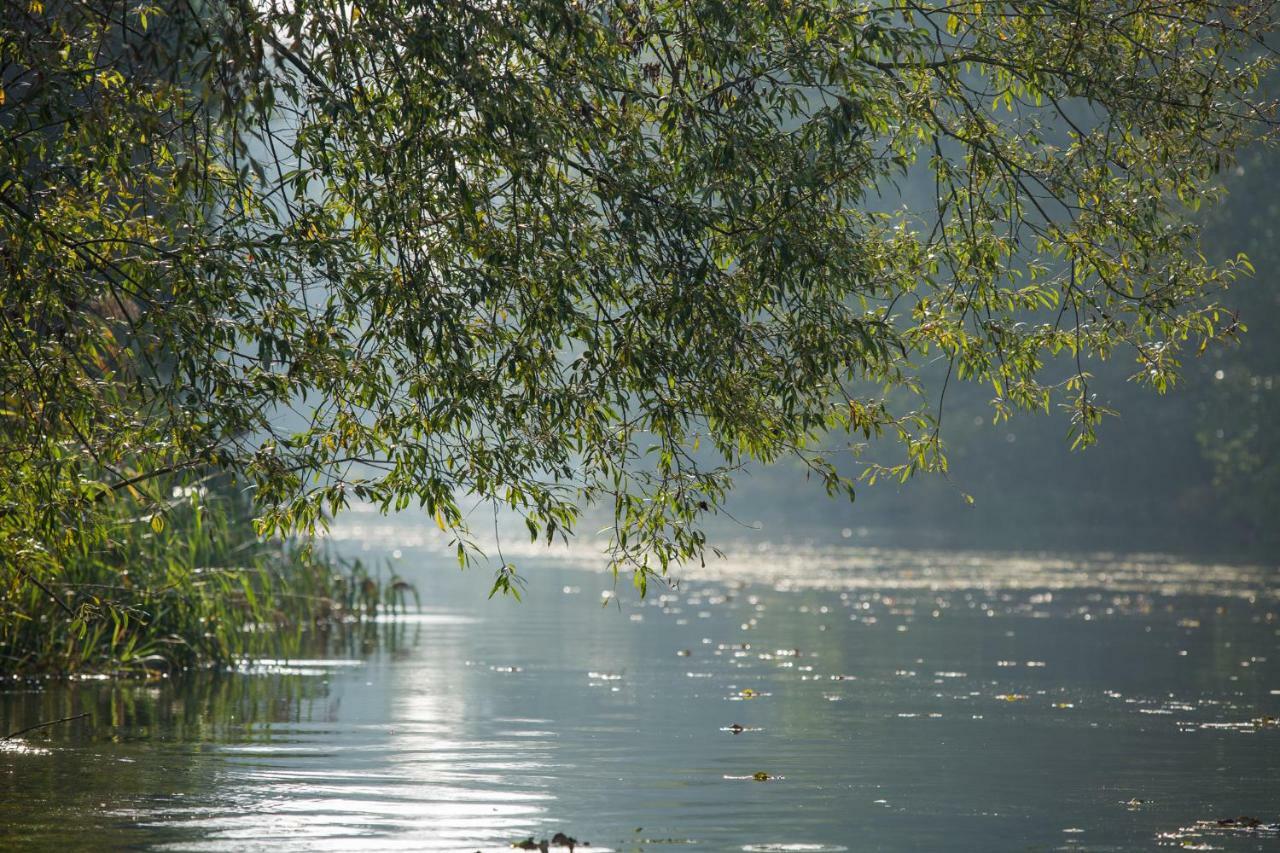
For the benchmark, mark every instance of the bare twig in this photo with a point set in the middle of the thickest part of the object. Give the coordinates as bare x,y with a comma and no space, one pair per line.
12,735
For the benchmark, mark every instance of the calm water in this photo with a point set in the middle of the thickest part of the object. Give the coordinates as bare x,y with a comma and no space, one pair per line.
899,701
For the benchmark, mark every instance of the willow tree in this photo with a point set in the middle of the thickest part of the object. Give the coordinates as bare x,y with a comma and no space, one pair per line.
547,255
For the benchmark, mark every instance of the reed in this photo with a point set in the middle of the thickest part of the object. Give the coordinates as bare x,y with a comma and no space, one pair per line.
198,589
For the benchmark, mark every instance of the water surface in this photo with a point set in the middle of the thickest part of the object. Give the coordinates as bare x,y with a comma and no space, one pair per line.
896,701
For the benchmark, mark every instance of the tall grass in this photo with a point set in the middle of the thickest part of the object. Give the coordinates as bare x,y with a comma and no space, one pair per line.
195,589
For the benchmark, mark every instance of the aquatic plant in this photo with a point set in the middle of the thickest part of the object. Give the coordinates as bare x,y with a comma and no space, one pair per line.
192,587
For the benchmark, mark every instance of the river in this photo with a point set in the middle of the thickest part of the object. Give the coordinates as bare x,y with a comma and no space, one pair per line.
895,700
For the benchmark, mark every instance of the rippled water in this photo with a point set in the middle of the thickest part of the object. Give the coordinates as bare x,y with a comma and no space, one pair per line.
894,700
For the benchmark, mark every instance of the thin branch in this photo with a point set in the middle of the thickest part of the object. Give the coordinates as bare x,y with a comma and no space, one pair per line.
13,735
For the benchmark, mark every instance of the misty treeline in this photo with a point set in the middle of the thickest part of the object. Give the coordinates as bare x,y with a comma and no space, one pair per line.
1196,470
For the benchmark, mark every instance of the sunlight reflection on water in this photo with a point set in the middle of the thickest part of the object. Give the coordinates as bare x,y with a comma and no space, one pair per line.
795,566
892,700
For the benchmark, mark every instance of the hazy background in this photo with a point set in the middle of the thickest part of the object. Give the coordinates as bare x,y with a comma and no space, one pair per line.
1195,471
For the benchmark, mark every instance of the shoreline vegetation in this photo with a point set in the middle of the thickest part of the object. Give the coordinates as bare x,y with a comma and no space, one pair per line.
260,264
198,590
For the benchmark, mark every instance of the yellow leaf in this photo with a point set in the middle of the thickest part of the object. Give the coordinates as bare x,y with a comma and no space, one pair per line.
440,520
157,522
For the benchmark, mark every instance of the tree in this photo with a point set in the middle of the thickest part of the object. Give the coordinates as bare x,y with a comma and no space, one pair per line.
551,254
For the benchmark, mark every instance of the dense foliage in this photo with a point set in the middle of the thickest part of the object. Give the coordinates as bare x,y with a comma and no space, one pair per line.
545,255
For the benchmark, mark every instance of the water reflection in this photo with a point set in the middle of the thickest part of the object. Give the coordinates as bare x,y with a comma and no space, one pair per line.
401,766
1132,704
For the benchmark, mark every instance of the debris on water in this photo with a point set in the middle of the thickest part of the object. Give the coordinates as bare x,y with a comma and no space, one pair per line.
1011,697
737,728
666,840
684,653
1135,803
557,840
1243,822
1242,825
758,776
1266,722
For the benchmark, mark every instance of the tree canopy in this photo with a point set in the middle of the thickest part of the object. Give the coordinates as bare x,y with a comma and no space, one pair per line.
544,255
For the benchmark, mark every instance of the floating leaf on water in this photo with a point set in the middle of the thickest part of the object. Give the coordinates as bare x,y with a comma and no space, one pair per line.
758,776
